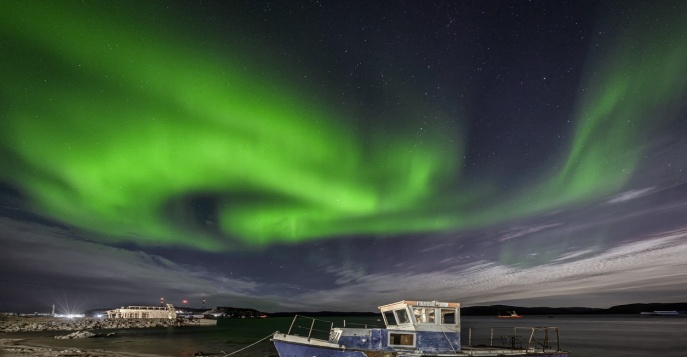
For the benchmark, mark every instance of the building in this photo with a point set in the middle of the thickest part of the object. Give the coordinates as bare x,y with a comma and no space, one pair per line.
143,312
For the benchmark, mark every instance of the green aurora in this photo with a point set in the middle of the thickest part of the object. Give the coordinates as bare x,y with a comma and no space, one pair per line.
114,127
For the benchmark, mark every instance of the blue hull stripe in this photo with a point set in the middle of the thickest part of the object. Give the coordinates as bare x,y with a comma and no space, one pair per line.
288,349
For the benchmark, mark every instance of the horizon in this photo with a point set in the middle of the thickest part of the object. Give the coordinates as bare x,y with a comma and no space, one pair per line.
340,311
342,155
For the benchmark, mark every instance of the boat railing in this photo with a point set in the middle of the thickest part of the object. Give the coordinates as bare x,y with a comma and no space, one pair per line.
315,327
517,338
357,325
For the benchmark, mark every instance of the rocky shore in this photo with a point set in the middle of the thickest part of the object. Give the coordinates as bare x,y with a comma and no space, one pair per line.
22,347
30,324
15,348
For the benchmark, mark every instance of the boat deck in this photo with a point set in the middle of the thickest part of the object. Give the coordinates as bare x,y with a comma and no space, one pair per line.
500,351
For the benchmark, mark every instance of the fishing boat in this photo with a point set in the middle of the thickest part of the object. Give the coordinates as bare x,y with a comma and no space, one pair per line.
511,315
414,329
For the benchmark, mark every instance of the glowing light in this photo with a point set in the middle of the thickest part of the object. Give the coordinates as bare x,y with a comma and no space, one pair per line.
119,157
115,129
70,316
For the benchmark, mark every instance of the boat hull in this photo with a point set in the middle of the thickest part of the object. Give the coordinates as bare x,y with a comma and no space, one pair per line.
414,329
290,349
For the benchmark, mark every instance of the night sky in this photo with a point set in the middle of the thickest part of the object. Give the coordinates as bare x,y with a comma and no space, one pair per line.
339,155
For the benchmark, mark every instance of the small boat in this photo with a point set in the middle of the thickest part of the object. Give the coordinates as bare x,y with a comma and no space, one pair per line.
513,315
414,329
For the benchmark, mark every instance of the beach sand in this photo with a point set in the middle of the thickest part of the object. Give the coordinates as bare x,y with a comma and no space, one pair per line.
10,347
13,347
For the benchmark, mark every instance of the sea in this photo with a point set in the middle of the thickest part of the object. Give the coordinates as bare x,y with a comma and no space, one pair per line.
583,336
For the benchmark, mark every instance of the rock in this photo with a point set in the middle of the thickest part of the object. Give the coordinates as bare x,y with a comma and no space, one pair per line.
77,334
25,324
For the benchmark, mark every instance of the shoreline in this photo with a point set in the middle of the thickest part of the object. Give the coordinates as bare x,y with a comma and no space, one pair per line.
23,337
21,347
36,324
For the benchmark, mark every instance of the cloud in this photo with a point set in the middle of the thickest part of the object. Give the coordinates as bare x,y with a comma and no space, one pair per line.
41,259
348,274
656,263
44,258
573,255
523,231
631,195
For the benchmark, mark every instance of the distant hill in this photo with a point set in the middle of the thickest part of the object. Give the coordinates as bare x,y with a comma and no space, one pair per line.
637,308
490,310
235,312
494,310
619,309
322,313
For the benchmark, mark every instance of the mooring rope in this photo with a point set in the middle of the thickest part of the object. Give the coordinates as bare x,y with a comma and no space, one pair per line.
251,345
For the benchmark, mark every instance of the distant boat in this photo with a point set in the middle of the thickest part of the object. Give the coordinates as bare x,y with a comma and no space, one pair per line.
414,329
512,315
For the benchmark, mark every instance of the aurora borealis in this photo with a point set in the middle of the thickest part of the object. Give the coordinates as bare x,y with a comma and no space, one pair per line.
265,152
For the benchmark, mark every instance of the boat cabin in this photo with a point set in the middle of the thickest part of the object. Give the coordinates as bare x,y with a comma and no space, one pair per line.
425,325
413,315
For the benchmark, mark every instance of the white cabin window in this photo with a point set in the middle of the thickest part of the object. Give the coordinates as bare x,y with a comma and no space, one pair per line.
424,315
448,316
401,316
401,339
389,318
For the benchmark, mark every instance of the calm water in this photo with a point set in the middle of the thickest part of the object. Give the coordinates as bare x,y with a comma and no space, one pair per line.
584,336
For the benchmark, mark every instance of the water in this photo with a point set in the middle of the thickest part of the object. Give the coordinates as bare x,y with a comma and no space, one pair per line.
584,336
606,335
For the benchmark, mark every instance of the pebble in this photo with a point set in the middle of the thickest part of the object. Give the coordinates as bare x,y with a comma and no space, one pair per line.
29,324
